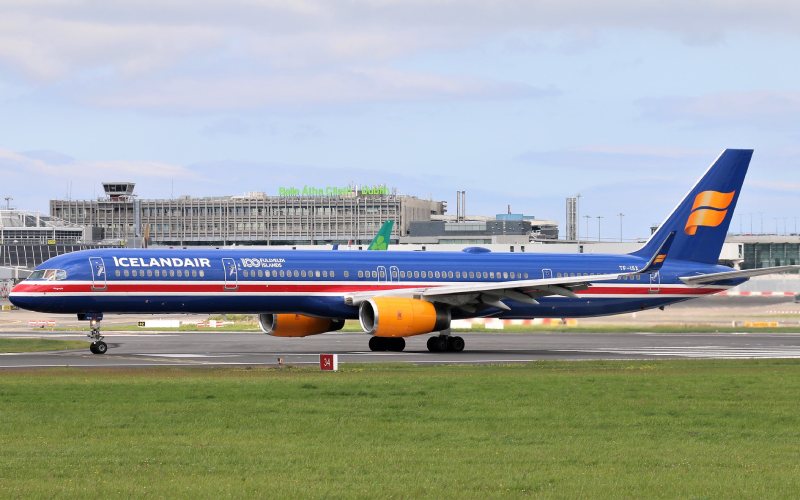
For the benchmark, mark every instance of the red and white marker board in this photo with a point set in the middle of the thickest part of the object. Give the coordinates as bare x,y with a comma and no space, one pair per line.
329,362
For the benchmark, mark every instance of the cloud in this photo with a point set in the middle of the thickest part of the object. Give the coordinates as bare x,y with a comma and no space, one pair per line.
635,158
754,108
56,166
323,52
307,90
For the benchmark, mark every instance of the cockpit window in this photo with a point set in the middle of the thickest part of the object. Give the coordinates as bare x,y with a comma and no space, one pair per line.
48,275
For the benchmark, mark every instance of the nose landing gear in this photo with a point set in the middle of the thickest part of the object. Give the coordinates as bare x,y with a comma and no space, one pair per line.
97,346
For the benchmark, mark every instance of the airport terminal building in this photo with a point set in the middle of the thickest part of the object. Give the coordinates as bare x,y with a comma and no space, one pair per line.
294,217
27,239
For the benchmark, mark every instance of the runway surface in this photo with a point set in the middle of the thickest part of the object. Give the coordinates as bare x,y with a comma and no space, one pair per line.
241,349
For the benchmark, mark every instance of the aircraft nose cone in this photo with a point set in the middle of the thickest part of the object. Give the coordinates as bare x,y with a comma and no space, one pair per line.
15,298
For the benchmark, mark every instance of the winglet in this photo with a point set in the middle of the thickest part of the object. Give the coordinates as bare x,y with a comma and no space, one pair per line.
657,260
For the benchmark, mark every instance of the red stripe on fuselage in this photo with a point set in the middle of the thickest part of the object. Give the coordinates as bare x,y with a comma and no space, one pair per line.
244,288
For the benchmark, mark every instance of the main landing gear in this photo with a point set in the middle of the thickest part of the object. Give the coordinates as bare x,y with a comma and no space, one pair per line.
396,344
445,343
97,346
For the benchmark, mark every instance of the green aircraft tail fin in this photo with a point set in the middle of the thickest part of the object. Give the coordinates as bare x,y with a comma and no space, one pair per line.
381,240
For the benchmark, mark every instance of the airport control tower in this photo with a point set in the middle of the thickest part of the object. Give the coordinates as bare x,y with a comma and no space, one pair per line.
119,191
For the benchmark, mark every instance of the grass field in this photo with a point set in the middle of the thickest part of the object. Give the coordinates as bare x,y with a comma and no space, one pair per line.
38,345
573,429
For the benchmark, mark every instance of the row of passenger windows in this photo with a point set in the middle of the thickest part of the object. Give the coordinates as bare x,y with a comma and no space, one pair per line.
382,274
158,273
291,274
445,274
195,273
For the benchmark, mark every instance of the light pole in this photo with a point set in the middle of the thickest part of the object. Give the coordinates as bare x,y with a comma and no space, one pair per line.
598,227
578,217
587,217
621,215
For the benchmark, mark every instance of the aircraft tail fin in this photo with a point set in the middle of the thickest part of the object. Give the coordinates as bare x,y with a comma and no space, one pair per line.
701,220
381,240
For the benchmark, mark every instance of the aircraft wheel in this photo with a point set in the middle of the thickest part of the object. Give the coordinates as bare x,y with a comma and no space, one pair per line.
455,344
98,347
437,344
397,344
377,344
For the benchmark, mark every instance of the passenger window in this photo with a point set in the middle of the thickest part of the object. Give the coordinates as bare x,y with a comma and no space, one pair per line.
303,273
261,273
202,273
436,274
158,273
324,274
117,273
526,275
149,273
135,273
382,273
374,274
125,272
361,274
333,274
424,274
513,276
194,273
296,273
246,273
316,274
416,274
491,275
171,273
458,275
505,276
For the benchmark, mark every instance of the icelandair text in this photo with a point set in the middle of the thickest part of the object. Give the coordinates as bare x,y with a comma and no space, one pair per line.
160,262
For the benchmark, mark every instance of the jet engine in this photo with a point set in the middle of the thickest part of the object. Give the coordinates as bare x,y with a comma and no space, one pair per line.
297,325
402,317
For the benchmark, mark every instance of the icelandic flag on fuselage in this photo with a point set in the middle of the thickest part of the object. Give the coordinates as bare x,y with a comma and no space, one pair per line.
702,218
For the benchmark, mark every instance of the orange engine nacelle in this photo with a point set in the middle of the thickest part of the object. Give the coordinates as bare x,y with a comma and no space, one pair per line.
402,317
297,325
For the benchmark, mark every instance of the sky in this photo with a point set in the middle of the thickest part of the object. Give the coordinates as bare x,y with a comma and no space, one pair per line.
519,103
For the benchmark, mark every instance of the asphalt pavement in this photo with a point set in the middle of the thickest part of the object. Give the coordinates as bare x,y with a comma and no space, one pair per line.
252,349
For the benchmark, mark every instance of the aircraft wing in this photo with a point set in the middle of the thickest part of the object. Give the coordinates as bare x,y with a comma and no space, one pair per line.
704,279
473,296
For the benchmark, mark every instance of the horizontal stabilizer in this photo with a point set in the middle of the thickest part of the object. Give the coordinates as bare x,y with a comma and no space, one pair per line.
703,279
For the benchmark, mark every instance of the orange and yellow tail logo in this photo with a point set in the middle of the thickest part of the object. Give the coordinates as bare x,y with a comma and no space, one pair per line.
709,210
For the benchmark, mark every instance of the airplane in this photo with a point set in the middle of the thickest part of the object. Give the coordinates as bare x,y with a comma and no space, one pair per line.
381,239
396,294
